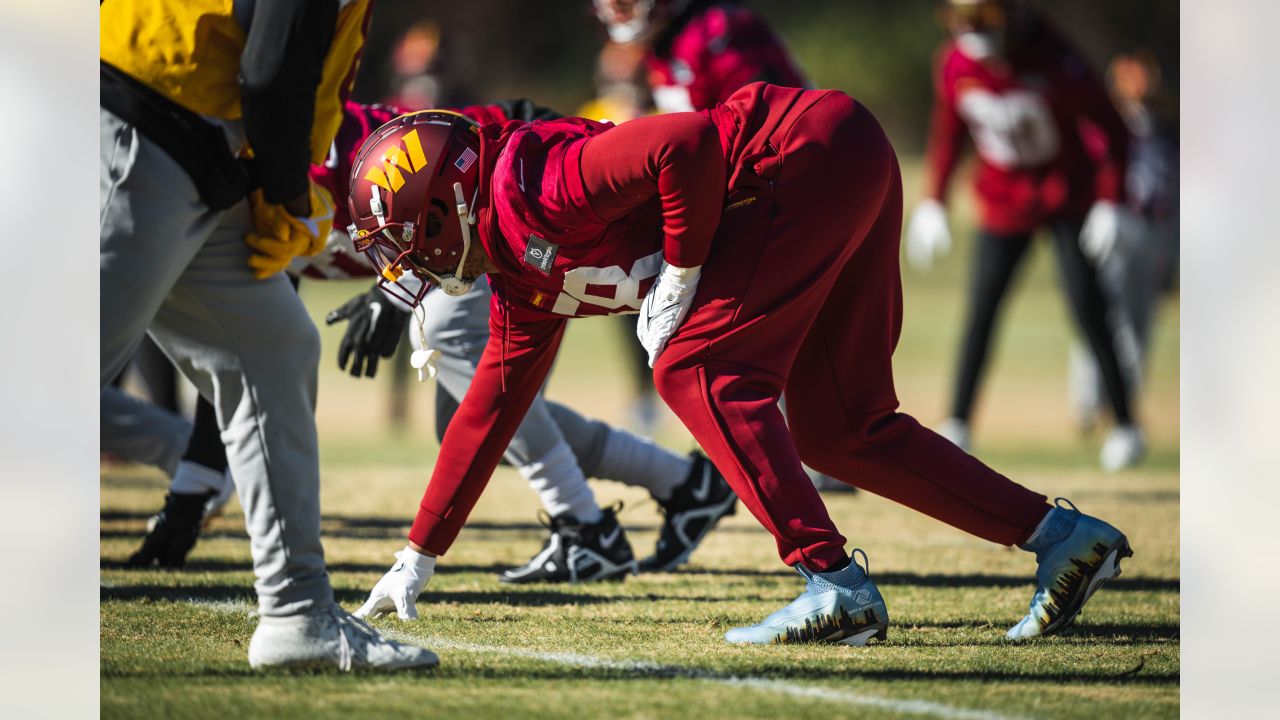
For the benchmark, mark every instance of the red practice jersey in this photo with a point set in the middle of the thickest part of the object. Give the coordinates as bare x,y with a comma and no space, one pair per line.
710,53
1049,141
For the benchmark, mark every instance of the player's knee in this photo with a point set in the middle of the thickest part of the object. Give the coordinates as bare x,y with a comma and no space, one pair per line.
824,444
815,451
299,343
672,379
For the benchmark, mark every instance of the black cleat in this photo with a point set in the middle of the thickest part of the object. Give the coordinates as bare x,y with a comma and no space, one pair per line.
172,532
693,510
576,552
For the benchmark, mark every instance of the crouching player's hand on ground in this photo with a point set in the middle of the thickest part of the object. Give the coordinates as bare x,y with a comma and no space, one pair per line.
398,589
665,307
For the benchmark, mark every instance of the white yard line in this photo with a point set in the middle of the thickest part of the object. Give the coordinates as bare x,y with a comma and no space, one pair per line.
645,667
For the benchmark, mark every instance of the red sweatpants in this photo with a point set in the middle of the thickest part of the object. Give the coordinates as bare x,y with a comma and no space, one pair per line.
802,294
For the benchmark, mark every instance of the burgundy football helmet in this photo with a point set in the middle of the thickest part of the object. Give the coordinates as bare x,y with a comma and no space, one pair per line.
408,178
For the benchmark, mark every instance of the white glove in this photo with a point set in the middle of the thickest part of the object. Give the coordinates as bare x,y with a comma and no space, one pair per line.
927,234
1106,228
665,307
398,589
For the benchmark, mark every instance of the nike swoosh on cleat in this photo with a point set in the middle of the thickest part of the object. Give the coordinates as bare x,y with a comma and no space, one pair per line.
703,490
607,541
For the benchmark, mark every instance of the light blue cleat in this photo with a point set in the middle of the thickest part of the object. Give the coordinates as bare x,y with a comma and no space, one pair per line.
1076,553
840,607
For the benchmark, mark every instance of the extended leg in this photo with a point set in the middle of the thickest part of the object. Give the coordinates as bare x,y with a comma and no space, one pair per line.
842,407
771,266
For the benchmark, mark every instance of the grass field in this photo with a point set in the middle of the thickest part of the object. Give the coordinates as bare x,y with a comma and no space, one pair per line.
173,644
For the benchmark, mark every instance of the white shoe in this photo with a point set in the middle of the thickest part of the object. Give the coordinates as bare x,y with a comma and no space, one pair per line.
330,638
1124,448
957,431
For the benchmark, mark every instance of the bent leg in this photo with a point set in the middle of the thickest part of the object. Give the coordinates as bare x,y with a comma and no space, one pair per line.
611,453
771,266
251,349
141,432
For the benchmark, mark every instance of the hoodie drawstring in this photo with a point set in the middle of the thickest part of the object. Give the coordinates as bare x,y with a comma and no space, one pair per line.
506,339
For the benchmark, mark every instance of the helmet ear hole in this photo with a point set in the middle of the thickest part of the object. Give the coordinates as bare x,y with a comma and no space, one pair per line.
436,216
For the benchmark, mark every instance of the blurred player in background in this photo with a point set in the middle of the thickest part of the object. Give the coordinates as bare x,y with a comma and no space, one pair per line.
416,79
1143,266
1027,99
699,51
759,243
556,449
192,254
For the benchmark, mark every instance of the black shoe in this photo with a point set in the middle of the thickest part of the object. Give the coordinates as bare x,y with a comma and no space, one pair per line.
172,532
693,510
576,552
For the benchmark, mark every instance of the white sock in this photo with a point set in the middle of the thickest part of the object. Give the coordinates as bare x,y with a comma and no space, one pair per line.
194,478
633,460
560,484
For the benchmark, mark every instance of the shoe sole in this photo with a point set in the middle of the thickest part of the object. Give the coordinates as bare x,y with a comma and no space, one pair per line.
1108,569
728,507
327,667
860,639
617,574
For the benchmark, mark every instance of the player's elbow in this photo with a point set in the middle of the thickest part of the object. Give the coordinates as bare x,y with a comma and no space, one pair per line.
693,139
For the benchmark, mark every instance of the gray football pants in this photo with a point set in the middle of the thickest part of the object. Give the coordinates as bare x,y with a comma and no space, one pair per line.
1131,278
174,267
459,328
140,431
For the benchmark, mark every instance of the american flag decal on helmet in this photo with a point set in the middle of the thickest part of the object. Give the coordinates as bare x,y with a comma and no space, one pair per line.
465,160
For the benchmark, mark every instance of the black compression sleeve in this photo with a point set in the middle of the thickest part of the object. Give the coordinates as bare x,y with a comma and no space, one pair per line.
280,70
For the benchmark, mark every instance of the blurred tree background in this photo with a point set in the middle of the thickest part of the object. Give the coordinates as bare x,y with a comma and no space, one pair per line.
879,51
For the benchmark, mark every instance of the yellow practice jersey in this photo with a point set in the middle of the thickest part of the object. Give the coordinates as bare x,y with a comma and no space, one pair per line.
189,52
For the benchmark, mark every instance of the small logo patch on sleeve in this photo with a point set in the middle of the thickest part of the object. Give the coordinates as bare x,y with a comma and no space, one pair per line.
540,254
537,299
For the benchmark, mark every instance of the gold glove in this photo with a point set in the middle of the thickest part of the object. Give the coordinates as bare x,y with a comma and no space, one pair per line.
279,236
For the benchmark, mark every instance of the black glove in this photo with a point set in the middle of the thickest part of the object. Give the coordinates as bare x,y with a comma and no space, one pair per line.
374,328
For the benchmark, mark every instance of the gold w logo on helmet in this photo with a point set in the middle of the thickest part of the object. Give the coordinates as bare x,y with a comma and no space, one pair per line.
396,161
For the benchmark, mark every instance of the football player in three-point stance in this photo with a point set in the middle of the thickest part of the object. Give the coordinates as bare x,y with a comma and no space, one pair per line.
758,240
1033,108
555,449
